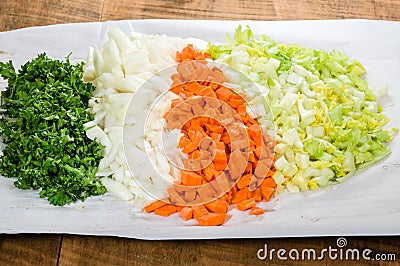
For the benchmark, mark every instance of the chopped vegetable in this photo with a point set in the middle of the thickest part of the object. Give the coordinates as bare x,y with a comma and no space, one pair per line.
328,121
212,219
256,211
246,204
186,213
166,210
217,172
118,69
42,127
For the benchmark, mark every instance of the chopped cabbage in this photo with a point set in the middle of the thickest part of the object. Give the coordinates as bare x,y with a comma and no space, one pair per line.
328,120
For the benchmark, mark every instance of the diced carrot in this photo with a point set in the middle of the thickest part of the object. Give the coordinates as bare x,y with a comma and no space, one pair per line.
225,139
239,196
220,166
241,110
199,211
200,131
251,121
267,193
244,119
215,179
220,156
178,56
214,128
154,205
218,206
194,155
215,136
209,172
183,141
252,142
257,140
234,190
246,204
195,136
220,145
257,195
189,148
188,94
214,85
254,131
212,219
208,92
190,178
235,102
244,181
252,158
186,213
166,210
268,182
194,87
249,168
225,197
256,211
224,94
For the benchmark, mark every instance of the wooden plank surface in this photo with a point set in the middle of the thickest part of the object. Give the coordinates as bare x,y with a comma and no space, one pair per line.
256,9
30,249
17,14
24,13
79,250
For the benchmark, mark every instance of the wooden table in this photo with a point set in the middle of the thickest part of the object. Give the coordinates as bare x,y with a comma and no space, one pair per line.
29,249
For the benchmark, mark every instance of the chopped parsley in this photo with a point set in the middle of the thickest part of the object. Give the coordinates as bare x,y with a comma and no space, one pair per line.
46,147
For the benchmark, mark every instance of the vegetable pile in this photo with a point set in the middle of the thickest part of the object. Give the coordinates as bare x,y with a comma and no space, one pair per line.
42,127
309,118
328,120
118,69
229,160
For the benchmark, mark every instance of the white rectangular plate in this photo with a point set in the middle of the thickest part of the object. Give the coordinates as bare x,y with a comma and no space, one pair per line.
367,204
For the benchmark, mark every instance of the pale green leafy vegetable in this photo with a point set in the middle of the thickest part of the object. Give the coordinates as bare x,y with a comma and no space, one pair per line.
328,121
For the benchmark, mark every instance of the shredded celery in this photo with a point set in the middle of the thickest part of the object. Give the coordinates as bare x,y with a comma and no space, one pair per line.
328,120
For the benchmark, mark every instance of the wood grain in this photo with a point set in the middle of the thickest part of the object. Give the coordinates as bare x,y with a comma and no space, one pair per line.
29,249
26,13
254,9
114,251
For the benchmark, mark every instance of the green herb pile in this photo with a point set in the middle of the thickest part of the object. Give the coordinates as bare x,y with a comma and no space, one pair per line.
44,109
